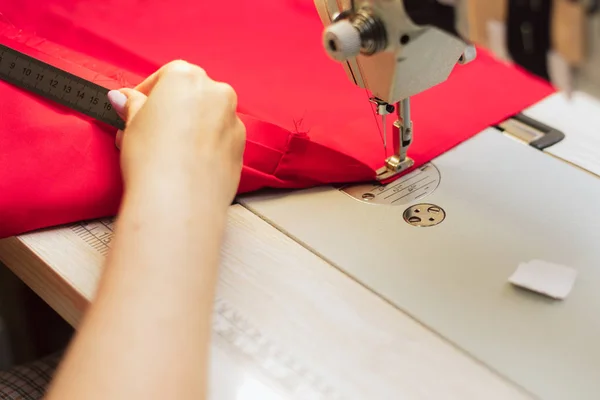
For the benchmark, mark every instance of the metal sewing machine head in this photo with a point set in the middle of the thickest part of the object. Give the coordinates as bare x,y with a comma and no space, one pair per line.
395,49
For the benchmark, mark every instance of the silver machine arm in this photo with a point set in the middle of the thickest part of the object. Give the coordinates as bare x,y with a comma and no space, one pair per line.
396,49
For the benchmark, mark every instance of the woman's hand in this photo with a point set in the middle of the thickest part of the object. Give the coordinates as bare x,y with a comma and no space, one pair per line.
181,128
147,333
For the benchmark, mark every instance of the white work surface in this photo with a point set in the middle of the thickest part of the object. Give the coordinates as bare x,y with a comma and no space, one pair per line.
579,119
505,203
339,339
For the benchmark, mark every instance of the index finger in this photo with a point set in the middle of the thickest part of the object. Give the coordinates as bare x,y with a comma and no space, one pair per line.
148,84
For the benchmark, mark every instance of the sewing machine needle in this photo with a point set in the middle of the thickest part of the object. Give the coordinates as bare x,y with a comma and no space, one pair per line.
384,133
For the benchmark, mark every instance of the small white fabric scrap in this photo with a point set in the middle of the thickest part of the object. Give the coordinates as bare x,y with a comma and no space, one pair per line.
552,280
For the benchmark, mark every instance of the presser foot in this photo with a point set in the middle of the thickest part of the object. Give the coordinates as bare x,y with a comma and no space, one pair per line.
393,166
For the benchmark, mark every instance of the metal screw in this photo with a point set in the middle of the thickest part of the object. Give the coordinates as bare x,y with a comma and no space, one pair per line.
424,215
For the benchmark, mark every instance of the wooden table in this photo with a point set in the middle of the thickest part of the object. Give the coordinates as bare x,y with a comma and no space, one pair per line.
294,296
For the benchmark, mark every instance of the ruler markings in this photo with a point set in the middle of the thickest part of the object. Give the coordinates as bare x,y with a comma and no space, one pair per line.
57,85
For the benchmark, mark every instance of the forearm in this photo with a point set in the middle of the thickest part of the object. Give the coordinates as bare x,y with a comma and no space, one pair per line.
154,302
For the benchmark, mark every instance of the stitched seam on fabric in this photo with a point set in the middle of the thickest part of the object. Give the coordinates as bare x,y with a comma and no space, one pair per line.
285,152
304,136
291,135
254,142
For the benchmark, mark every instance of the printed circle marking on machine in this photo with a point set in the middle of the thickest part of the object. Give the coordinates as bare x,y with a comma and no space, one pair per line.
413,186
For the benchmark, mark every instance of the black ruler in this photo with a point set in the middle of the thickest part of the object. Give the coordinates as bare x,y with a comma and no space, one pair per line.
57,85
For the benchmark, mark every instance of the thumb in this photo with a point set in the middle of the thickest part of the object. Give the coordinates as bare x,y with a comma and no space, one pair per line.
126,103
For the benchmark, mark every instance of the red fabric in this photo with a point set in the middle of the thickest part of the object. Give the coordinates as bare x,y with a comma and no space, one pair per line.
307,124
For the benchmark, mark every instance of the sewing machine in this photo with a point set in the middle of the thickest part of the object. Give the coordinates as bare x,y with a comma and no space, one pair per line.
398,48
440,242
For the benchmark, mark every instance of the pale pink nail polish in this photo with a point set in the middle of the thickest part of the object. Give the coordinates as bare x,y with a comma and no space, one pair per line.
117,100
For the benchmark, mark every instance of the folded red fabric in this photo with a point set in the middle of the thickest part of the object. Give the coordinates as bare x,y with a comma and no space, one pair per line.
307,124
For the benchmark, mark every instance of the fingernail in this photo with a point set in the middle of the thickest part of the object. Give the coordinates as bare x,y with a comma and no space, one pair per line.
119,139
117,100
